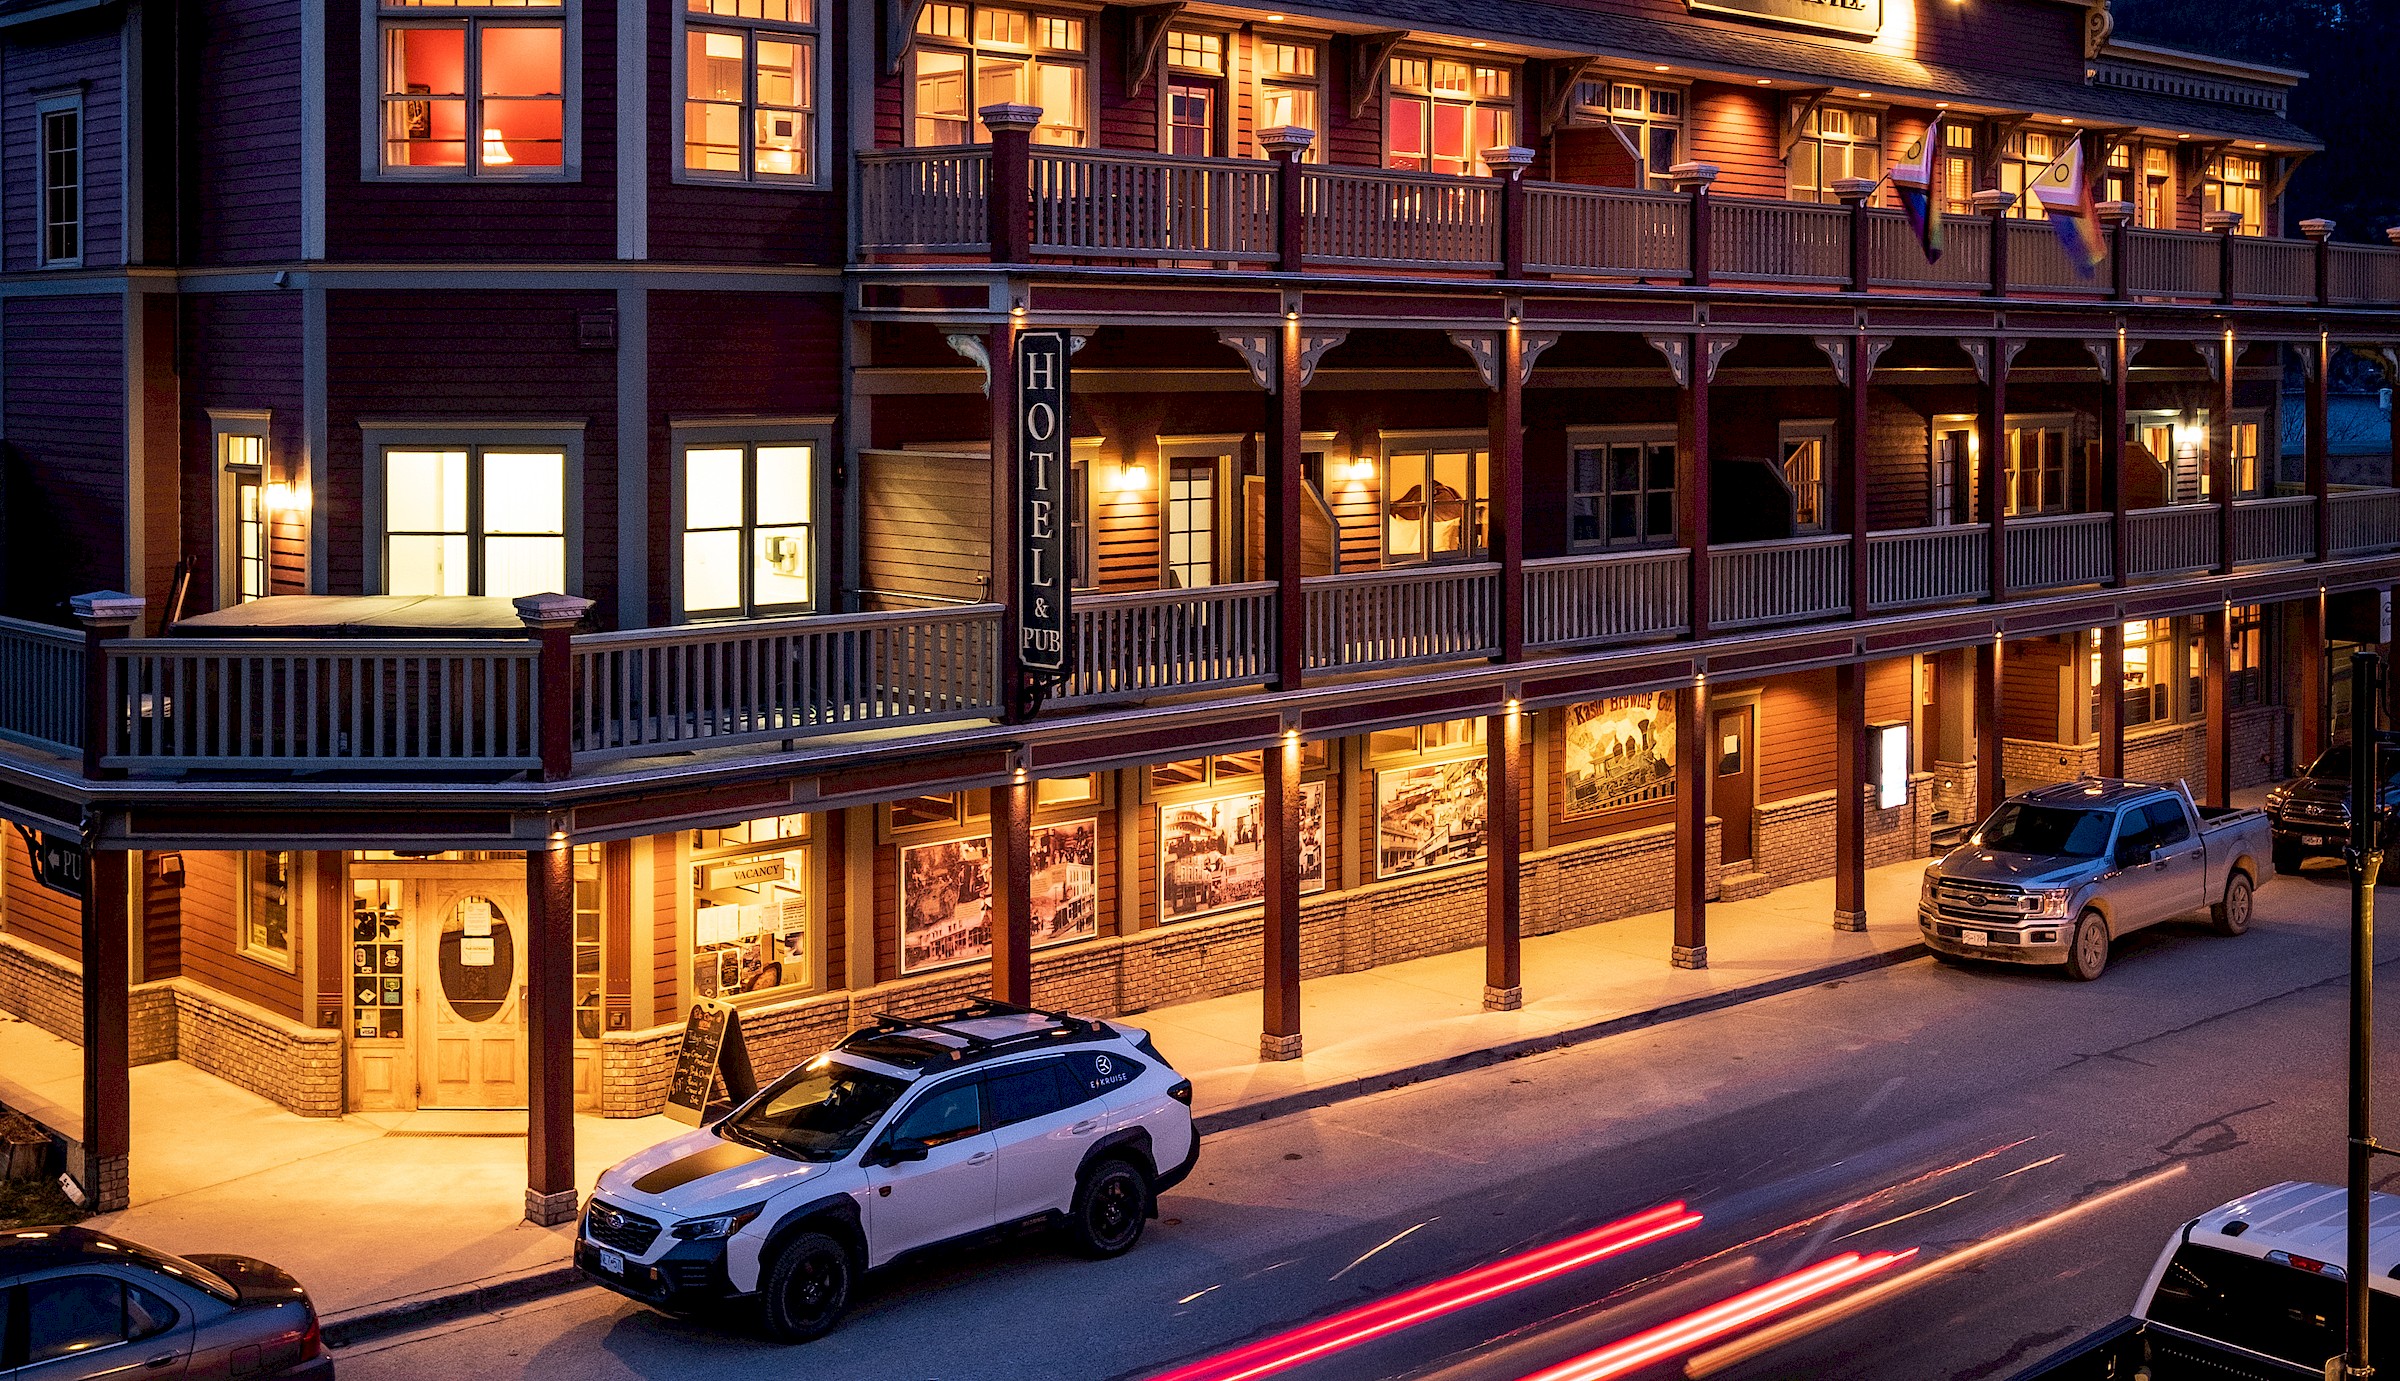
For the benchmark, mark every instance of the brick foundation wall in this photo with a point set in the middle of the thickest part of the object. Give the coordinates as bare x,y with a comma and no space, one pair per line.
43,988
2161,754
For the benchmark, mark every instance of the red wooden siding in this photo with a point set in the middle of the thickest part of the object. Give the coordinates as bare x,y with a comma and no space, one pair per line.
40,61
243,178
212,941
241,352
33,913
64,417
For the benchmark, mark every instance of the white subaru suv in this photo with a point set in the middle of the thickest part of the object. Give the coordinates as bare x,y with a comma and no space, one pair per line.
909,1135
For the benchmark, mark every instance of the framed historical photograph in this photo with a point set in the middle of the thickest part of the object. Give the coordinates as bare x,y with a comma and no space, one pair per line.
1619,752
946,895
1429,815
1212,854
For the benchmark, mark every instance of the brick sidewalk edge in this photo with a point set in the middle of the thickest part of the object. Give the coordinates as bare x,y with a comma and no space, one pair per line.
377,1321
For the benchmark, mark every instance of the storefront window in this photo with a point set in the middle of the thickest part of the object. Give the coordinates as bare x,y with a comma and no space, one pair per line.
266,903
750,929
1429,795
587,958
2247,678
1231,771
378,960
473,90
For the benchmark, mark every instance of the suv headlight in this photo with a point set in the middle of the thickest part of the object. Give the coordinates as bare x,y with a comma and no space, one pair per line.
718,1225
2052,902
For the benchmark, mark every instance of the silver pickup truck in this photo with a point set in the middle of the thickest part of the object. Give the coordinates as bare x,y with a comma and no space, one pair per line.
2057,873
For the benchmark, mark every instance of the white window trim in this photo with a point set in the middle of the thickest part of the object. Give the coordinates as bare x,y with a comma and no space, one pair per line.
1090,15
294,888
1472,58
43,108
223,423
2061,422
1604,115
684,434
1230,84
378,436
1792,132
370,95
1427,441
1259,82
1822,431
820,76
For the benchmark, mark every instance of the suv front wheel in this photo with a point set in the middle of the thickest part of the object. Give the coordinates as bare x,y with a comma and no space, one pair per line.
807,1290
1111,1207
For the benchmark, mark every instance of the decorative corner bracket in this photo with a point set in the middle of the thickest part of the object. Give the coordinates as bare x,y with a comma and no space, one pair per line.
1837,351
1677,350
1484,348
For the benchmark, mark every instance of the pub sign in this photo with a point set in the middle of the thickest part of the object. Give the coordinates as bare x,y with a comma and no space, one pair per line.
1042,518
58,862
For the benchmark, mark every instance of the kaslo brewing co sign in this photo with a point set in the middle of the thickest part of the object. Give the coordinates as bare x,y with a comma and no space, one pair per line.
1042,576
1847,16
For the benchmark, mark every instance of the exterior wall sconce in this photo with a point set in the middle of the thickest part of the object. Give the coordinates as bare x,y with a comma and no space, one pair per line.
1129,479
285,498
1359,471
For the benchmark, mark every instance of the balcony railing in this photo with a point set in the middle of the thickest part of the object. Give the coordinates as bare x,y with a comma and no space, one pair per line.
1154,642
1402,617
2055,550
41,685
2282,529
2172,541
1755,583
1112,204
2363,520
1928,565
1580,600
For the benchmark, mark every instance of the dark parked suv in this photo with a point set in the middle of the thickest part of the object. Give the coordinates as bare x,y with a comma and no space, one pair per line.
75,1303
2312,811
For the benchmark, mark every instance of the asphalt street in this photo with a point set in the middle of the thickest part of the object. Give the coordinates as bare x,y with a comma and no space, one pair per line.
2023,1144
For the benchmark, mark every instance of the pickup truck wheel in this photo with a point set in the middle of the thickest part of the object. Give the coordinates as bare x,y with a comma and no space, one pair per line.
2232,915
2088,955
807,1290
2287,858
1111,1207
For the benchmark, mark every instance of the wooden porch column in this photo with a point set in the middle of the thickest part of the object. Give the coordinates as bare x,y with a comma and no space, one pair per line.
1507,427
2220,453
1012,892
1691,828
2309,736
2317,475
106,615
1008,196
551,619
1851,499
1691,477
1504,749
105,1172
550,1033
1279,1024
1286,560
1991,445
2213,697
2110,718
1000,382
1285,146
2112,462
1990,778
1850,796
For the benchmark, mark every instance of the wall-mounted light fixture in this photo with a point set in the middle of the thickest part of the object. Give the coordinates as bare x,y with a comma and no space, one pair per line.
1360,470
286,498
1128,479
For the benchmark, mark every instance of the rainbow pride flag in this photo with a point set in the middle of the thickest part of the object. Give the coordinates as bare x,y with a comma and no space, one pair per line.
1913,179
2066,199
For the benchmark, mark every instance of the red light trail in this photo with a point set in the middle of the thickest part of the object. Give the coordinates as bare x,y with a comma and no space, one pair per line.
1719,1319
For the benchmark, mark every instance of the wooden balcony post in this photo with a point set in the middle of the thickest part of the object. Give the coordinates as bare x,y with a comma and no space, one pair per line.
1850,796
1506,423
1991,777
1286,553
551,619
2316,362
1991,445
106,615
1691,488
2115,216
1505,767
2224,225
2310,734
107,1146
2220,449
2212,696
1994,203
550,1197
2113,401
1279,1026
1853,192
2109,721
1008,195
1692,763
2320,233
1508,164
1287,146
1012,891
1693,179
1852,468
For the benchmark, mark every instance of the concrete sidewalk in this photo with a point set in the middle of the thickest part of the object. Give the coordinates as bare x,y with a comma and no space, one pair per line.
389,1217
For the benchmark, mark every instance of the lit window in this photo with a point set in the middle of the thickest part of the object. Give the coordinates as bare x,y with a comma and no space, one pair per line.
1196,52
242,540
1435,503
1808,471
478,92
2237,182
750,908
2037,469
748,528
474,520
1013,57
61,198
1648,119
1831,143
1441,115
1289,95
2249,478
2022,159
1624,491
750,92
266,907
1958,167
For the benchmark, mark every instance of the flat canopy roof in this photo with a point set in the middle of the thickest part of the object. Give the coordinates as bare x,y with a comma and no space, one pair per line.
358,616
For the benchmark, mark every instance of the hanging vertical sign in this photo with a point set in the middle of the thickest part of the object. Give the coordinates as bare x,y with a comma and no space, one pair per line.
1042,455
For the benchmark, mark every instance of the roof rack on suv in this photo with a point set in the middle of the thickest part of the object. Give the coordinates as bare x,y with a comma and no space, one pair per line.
1055,1026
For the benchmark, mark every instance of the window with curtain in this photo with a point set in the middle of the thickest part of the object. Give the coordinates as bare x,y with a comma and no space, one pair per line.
748,528
749,109
1434,499
966,57
1291,92
474,520
1441,114
473,90
1958,166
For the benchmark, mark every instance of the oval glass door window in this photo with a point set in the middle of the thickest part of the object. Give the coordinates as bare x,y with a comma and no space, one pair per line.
479,959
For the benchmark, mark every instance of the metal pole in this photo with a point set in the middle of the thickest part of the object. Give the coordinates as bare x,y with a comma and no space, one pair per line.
2366,860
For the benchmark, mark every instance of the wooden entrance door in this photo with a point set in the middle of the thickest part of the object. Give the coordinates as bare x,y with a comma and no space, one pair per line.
1733,790
470,946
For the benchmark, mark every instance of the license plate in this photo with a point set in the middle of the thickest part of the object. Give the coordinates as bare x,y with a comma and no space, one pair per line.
612,1262
1974,937
2314,841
